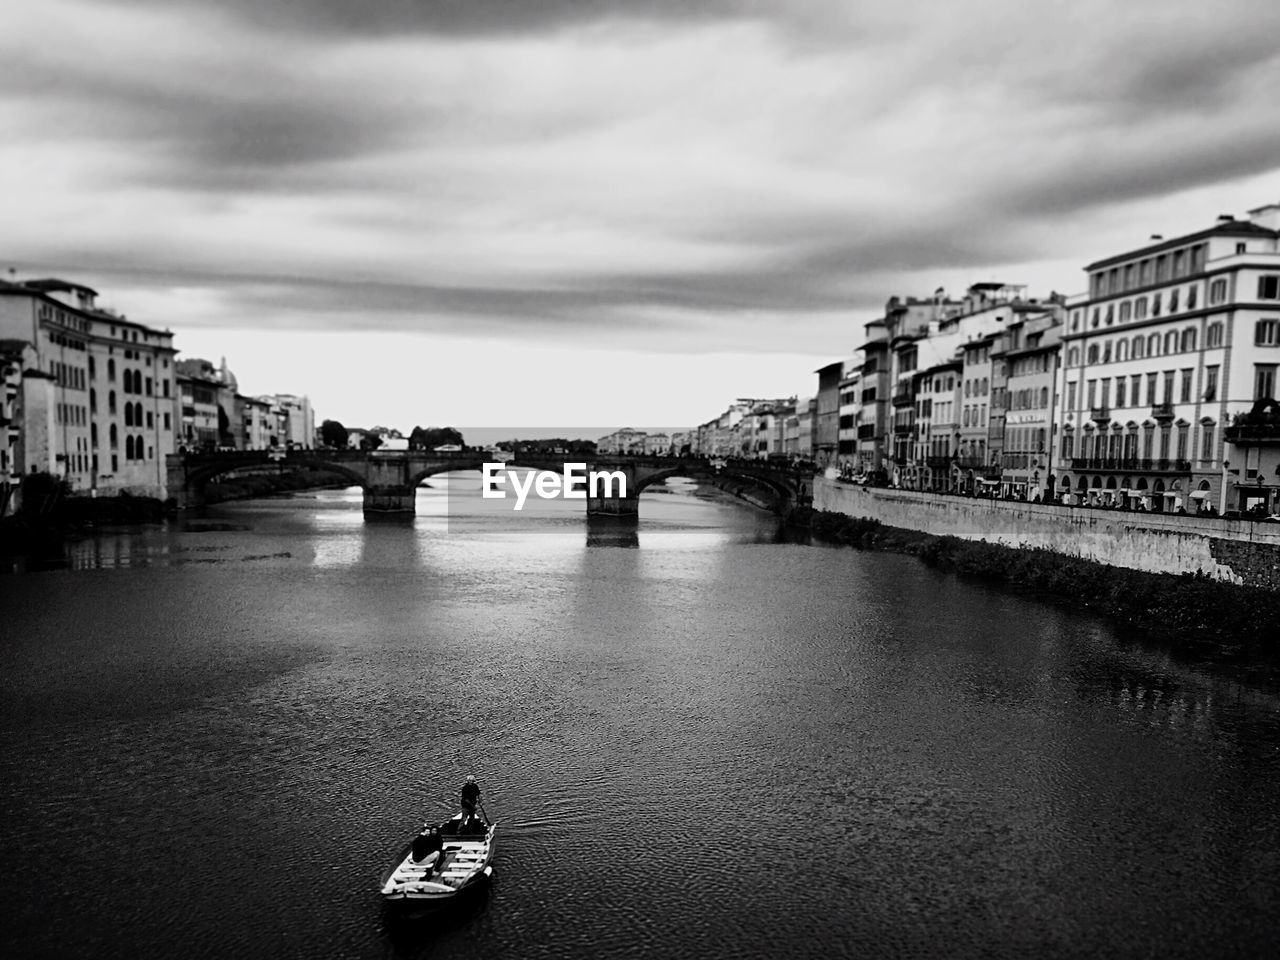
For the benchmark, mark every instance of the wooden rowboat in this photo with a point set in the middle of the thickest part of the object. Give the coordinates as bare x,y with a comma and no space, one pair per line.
438,876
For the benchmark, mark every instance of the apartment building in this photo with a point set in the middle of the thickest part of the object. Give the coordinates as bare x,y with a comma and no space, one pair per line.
1166,358
98,409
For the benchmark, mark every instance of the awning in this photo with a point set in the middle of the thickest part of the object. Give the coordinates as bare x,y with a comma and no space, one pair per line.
1199,494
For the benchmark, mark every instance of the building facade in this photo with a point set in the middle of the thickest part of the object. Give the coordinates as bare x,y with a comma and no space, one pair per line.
105,422
1174,343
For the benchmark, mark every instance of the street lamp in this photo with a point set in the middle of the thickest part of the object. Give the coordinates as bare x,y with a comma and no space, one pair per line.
1222,496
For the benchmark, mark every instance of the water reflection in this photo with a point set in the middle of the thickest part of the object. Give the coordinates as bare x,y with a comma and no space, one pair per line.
656,724
604,532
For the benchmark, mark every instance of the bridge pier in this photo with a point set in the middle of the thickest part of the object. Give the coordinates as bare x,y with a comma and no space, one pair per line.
616,509
390,499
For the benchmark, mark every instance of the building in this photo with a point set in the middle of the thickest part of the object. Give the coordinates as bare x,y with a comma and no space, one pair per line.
1025,370
1167,358
104,421
850,412
937,444
203,398
624,441
826,434
295,420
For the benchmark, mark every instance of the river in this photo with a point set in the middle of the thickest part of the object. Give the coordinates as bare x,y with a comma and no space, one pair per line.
699,741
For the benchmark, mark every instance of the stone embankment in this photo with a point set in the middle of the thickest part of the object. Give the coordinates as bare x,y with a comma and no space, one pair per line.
1237,551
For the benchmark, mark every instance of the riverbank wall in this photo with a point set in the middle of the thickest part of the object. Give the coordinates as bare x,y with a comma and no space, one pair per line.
1235,551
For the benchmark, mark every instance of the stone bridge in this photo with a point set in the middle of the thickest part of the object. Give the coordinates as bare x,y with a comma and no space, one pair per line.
390,478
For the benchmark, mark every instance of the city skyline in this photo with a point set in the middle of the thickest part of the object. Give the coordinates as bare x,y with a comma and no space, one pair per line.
475,214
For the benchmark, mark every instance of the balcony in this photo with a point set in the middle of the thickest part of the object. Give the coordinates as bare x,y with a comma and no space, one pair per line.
1130,465
1101,414
938,463
903,396
1162,411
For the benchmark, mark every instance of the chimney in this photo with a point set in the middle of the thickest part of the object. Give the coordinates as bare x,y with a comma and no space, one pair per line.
1157,236
1226,218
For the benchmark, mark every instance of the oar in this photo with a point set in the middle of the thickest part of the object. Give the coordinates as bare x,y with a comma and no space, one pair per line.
483,812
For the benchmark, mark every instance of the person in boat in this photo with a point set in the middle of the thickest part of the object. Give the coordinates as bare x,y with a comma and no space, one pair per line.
427,843
470,797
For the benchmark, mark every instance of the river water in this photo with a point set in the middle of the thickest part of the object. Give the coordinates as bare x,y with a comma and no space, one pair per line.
700,741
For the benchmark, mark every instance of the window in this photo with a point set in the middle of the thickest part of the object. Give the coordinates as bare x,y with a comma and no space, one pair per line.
1122,351
1148,436
1266,333
1173,301
1111,314
1206,440
1155,305
1211,383
1213,336
1264,381
1184,396
1138,343
1179,264
1241,247
1097,313
1071,395
1191,297
1162,269
1140,308
1135,388
1152,379
1169,378
1184,432
111,371
111,402
1075,320
1093,353
1126,311
1269,287
1104,390
1188,339
1171,342
167,424
1073,357
1068,443
1144,269
1120,382
1091,388
1153,345
1218,291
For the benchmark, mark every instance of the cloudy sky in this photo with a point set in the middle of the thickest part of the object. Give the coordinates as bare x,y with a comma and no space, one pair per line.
543,212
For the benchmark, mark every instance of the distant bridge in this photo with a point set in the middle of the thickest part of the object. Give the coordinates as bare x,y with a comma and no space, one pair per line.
390,478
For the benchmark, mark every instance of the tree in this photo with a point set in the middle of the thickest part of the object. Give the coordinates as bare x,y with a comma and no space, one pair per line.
370,441
333,434
428,438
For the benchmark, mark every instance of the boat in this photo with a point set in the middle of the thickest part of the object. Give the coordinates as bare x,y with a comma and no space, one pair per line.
424,875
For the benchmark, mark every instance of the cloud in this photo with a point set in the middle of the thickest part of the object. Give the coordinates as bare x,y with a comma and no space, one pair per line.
657,176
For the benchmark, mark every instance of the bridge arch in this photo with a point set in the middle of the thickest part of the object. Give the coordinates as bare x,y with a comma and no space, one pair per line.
416,478
193,478
783,490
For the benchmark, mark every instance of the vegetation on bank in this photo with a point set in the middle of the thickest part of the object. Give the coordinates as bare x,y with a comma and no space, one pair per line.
1192,612
268,484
